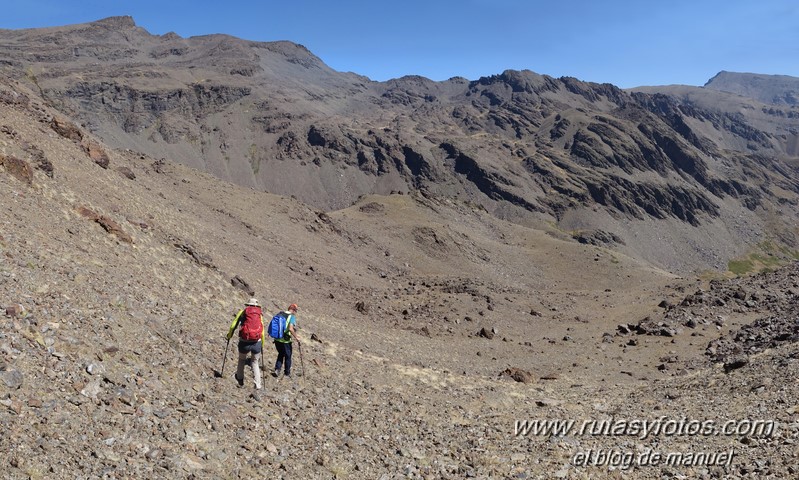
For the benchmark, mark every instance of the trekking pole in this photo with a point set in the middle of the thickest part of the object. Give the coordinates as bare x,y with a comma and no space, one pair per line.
224,359
263,352
302,362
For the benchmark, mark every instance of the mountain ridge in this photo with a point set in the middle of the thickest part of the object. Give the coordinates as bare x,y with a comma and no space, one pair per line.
527,147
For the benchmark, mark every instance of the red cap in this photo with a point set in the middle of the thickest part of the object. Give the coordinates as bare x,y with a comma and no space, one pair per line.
293,306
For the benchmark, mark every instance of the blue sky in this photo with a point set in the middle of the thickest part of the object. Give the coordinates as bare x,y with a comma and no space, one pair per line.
625,42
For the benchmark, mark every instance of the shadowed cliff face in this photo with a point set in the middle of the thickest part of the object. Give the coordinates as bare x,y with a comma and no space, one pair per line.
527,147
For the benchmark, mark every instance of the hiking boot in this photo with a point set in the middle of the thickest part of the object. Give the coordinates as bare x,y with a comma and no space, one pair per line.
240,380
276,373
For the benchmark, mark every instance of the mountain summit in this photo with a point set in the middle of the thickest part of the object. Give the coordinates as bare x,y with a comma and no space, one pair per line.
769,89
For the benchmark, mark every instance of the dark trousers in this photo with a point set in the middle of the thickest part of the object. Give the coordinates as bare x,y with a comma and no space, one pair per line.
283,353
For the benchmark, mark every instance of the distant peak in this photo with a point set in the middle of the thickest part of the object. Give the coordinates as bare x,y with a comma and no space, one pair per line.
714,77
117,22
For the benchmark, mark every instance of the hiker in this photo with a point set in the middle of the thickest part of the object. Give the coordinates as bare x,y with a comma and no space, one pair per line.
283,345
251,339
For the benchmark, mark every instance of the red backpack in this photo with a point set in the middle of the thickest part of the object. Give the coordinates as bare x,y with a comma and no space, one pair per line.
251,326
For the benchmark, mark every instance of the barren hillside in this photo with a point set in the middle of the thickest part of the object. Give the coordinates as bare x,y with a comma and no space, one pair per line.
711,172
430,323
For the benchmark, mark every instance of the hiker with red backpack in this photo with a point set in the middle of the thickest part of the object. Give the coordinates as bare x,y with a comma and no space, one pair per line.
282,330
251,339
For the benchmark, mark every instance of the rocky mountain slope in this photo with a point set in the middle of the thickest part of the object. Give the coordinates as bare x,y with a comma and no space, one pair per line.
431,326
768,89
712,177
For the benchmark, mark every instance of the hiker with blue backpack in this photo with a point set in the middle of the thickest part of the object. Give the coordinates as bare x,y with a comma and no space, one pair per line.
282,330
251,339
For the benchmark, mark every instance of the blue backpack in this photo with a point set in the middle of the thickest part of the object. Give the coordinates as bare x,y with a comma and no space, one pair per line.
278,326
